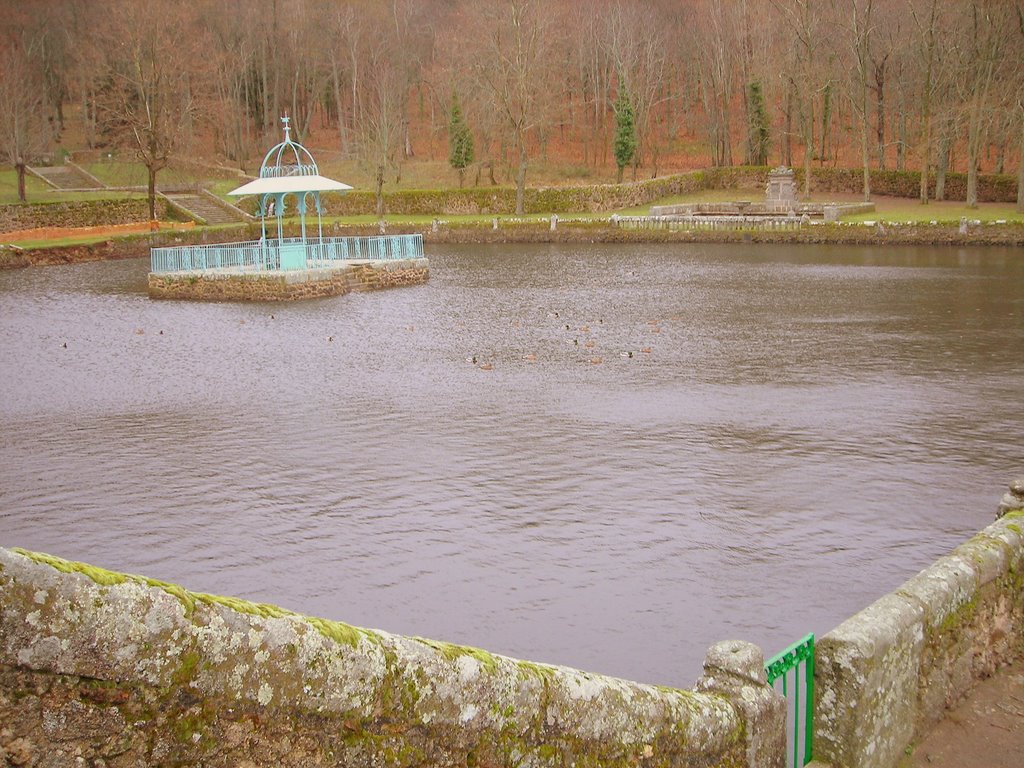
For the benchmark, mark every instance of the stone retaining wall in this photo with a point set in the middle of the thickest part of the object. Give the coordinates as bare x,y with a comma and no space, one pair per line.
885,676
289,286
102,669
81,213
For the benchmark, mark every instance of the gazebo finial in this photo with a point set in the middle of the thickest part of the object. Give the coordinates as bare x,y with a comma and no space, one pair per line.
287,129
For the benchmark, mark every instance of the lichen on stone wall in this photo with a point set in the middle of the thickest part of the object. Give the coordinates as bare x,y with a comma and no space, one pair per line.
887,674
174,676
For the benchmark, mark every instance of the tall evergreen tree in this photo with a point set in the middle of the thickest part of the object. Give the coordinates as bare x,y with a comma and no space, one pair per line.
460,141
758,128
625,132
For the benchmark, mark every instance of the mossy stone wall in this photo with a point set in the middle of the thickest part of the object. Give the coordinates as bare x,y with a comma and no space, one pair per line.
290,286
885,676
102,668
81,213
605,198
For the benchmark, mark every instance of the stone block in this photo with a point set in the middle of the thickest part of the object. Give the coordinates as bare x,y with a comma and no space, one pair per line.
866,678
735,669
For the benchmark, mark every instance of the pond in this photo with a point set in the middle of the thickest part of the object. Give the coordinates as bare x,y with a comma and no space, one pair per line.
657,446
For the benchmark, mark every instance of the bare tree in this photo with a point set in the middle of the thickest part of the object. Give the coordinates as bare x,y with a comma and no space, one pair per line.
234,62
860,29
636,44
807,79
926,21
984,36
716,44
1019,39
380,124
149,95
512,66
24,129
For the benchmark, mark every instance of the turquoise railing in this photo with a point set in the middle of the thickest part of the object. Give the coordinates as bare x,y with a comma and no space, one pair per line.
799,692
265,255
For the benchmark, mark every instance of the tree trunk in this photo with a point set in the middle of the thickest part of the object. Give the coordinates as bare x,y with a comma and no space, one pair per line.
20,168
618,178
943,166
901,143
336,83
521,180
926,156
787,148
808,152
865,153
379,190
880,111
973,153
1020,172
462,177
151,191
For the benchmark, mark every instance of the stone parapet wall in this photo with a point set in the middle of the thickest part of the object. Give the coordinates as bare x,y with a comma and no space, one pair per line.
289,286
885,676
80,213
748,208
102,669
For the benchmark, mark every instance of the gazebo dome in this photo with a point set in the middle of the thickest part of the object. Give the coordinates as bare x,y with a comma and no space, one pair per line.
288,159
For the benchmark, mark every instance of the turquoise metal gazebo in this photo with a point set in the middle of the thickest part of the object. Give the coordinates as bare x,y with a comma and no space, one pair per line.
288,169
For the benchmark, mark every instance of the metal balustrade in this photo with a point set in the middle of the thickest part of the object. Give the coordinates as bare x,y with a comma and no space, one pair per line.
709,223
266,255
799,692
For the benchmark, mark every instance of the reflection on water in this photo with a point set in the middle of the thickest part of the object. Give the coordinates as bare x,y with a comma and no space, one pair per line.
773,437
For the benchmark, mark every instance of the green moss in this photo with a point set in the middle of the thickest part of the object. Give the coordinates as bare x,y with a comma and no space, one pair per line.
960,617
544,672
333,630
186,726
99,575
452,652
548,752
186,669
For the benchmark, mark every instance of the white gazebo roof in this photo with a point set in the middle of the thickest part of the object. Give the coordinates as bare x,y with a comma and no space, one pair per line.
288,184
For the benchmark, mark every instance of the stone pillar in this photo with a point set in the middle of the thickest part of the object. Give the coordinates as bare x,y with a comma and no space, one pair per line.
735,669
1013,501
554,221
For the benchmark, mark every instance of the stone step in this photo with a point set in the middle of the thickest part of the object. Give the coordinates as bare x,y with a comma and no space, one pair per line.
204,208
66,177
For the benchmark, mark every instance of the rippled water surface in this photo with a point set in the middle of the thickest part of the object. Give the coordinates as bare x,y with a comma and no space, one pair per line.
809,427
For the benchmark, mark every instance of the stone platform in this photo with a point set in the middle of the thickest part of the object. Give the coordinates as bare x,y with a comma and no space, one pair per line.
247,284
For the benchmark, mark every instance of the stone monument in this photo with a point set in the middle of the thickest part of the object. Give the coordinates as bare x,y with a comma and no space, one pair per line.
780,191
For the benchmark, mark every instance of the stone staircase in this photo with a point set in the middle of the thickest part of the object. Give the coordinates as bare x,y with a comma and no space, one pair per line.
65,177
202,207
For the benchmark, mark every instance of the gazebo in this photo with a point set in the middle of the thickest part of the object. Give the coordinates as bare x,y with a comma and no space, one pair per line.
288,169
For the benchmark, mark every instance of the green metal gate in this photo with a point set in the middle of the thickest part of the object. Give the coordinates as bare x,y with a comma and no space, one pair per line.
798,688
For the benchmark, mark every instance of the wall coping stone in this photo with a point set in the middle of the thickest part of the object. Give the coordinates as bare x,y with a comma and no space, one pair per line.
370,695
886,675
